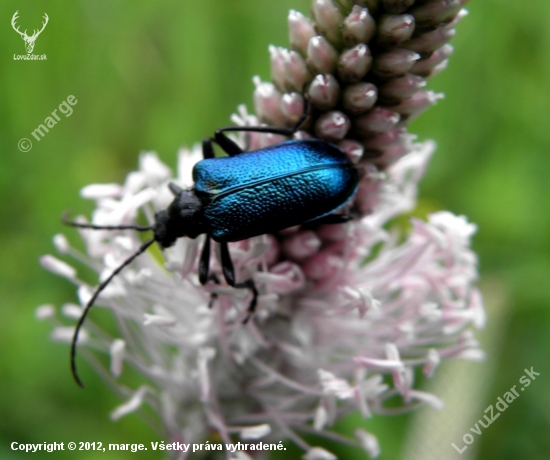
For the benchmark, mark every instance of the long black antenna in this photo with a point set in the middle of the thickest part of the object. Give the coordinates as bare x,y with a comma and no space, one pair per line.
90,303
139,228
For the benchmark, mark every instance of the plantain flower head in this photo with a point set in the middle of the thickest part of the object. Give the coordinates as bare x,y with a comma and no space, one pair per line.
346,312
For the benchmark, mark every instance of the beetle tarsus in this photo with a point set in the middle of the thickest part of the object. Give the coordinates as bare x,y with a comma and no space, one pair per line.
305,114
249,284
213,298
213,295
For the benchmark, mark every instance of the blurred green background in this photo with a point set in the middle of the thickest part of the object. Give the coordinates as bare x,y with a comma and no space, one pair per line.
159,75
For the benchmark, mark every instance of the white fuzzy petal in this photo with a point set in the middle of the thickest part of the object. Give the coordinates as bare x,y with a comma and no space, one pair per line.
131,405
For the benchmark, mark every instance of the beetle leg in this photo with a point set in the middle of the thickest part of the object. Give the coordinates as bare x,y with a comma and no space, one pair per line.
213,295
229,274
207,148
204,262
213,298
228,145
249,284
231,148
305,114
227,264
204,268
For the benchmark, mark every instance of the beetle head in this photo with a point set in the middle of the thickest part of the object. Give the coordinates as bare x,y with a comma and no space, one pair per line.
182,218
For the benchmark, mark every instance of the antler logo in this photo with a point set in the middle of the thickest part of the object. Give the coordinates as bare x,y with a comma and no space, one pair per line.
29,41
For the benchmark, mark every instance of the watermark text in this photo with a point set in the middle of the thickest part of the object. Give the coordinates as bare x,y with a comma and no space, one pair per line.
29,39
65,108
501,405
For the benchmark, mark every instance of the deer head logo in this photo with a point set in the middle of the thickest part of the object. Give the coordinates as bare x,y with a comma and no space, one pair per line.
29,41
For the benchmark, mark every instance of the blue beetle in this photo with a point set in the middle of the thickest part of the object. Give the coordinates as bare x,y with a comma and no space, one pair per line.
243,195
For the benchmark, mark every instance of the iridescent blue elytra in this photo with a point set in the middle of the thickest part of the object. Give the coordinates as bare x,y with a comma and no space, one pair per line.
267,190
